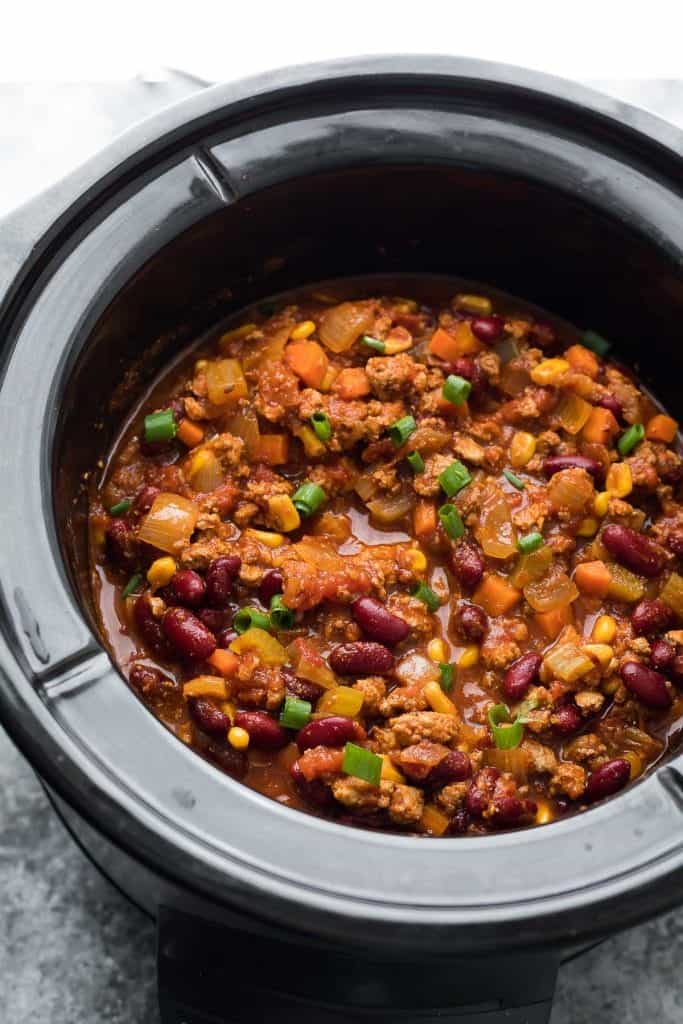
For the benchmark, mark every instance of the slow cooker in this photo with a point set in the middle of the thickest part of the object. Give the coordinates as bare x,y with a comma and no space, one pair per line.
383,165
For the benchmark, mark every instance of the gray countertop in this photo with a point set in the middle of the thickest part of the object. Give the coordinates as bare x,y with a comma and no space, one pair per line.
72,949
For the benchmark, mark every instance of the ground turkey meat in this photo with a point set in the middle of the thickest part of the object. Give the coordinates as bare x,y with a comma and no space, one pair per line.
568,779
452,797
403,699
404,804
414,612
587,749
373,689
425,725
393,376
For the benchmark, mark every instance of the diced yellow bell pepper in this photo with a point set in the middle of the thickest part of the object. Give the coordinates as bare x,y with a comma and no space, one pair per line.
206,686
269,650
602,653
625,585
438,701
283,513
341,700
549,371
271,540
433,821
389,770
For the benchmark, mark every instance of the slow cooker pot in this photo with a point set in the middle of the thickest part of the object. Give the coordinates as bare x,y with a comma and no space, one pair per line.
379,165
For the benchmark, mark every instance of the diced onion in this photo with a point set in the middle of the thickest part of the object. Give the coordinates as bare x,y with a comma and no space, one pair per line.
244,424
341,700
672,593
571,490
256,641
342,325
516,761
573,412
308,663
390,508
225,382
205,473
568,663
554,591
169,523
496,532
531,567
417,669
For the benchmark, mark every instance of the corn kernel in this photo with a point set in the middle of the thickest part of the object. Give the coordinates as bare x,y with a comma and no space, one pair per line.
602,653
436,650
206,686
200,365
601,503
161,571
478,304
236,334
522,448
392,346
283,513
331,374
549,371
416,560
390,771
469,657
438,701
313,446
619,480
303,330
604,630
588,527
544,814
238,738
229,709
636,762
272,540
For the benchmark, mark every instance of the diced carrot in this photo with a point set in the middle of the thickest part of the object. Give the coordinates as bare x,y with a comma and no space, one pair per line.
449,410
225,662
553,622
661,428
273,449
495,595
593,578
352,382
456,342
424,520
318,761
308,361
582,360
190,433
600,427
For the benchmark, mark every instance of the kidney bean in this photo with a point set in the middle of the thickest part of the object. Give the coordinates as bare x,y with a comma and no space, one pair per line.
651,616
636,552
675,670
467,563
612,403
304,689
145,498
542,334
648,686
487,328
272,583
481,791
465,367
662,654
313,790
609,778
152,448
556,463
378,623
121,544
220,576
264,732
521,674
471,621
233,762
214,618
188,588
566,719
148,626
209,717
188,634
511,810
149,680
455,767
327,732
459,822
361,659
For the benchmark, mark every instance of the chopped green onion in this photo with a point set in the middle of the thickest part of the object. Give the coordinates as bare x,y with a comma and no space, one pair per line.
508,736
596,343
375,343
532,542
424,593
401,430
249,618
120,507
630,438
160,426
416,462
281,617
513,479
309,499
451,521
295,713
446,675
362,763
132,584
321,425
456,389
454,478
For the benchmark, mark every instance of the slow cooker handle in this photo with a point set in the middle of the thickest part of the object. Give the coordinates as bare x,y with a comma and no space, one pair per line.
210,974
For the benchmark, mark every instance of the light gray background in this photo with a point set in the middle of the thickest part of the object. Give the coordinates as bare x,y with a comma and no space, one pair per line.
72,949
